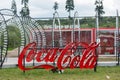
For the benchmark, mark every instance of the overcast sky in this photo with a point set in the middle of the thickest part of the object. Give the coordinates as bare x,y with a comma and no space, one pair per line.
44,8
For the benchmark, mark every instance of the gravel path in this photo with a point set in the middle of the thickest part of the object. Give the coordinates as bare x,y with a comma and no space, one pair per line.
13,53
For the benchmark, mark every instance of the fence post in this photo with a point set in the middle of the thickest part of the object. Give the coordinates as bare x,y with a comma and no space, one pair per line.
0,57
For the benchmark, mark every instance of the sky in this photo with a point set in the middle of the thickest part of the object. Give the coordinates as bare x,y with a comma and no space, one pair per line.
44,8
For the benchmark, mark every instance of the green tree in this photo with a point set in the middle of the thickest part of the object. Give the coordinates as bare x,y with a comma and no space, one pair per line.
55,7
25,2
25,10
99,8
69,6
14,37
14,7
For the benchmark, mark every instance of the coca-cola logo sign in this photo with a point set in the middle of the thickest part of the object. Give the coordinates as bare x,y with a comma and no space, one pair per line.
66,57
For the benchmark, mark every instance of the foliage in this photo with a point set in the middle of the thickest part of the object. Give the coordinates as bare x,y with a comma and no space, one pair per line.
14,37
86,22
74,74
25,10
107,22
45,22
69,6
55,7
14,7
99,8
24,2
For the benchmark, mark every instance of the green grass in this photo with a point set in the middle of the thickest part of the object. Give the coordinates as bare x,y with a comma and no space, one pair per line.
74,74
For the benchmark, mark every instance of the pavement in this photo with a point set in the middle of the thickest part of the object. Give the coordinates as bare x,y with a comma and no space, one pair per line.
13,62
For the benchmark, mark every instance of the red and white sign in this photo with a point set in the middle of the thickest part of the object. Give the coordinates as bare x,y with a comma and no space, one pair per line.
88,59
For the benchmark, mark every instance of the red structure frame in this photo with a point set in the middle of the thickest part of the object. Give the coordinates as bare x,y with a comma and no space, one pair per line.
88,35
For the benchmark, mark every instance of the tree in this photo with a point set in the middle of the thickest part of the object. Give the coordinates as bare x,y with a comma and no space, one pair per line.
25,10
25,2
14,37
69,6
99,8
55,7
13,7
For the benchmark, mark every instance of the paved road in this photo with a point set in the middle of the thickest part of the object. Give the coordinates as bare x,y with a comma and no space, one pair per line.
12,62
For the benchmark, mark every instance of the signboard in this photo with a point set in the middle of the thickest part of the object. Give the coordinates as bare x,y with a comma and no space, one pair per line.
88,59
107,43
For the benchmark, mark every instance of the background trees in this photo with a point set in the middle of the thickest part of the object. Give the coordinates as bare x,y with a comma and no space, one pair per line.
69,6
99,8
55,7
14,7
25,10
14,37
25,2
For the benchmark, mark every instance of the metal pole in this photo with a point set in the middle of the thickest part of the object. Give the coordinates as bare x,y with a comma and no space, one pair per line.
79,30
76,19
97,39
0,56
53,30
56,17
97,25
59,24
72,36
117,37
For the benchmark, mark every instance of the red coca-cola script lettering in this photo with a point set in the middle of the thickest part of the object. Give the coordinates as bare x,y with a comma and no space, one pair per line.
63,57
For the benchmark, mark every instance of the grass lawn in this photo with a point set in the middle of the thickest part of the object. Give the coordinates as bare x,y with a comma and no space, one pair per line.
103,73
